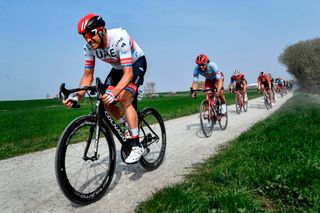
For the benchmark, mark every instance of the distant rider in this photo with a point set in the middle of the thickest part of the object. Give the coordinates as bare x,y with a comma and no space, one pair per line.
264,83
214,78
239,82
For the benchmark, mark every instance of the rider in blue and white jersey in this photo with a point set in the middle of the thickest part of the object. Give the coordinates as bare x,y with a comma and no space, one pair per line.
129,65
214,78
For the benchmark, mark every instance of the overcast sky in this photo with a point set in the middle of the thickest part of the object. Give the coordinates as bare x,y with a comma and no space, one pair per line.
40,46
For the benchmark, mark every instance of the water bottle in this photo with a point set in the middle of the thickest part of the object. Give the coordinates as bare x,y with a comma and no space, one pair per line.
140,94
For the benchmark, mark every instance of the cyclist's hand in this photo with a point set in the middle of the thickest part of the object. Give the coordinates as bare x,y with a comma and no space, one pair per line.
69,102
108,97
194,95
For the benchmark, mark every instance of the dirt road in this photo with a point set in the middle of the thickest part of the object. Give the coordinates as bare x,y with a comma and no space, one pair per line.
28,182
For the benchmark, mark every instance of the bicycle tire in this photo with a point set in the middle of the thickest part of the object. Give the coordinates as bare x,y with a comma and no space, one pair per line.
223,121
245,106
266,102
206,117
238,105
79,187
152,135
245,103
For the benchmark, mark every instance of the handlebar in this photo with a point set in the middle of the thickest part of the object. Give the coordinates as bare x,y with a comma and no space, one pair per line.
203,90
98,88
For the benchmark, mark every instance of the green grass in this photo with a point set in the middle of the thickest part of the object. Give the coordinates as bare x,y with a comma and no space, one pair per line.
28,126
273,167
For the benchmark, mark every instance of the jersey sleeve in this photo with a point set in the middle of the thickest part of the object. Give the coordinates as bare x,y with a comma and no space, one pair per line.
196,74
89,59
231,79
125,54
219,75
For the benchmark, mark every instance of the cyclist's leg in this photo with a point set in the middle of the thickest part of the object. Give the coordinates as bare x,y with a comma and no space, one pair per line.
208,84
219,85
128,94
268,90
111,81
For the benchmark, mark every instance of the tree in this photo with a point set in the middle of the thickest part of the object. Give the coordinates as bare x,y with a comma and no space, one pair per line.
149,88
303,62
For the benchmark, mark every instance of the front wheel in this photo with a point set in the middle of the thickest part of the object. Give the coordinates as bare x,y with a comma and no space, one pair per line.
152,135
85,166
223,120
238,103
206,118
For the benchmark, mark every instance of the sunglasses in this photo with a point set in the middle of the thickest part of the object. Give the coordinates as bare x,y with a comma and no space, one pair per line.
201,65
90,34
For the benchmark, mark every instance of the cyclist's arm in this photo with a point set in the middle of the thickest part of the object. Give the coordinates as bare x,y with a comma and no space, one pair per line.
259,83
194,85
219,85
86,80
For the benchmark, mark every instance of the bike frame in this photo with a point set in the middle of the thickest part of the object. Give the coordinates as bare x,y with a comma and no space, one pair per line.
212,98
103,117
240,96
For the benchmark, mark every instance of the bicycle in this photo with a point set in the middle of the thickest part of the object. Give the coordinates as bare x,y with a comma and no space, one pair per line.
240,101
210,112
85,158
266,100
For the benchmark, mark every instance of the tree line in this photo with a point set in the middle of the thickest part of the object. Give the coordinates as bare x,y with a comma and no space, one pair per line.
302,60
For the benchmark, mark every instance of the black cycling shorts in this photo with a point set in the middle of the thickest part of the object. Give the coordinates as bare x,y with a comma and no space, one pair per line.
139,69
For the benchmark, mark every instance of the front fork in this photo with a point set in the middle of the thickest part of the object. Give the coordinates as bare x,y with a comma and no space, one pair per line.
96,137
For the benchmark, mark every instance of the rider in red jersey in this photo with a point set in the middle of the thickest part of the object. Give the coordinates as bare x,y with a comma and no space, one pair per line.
116,47
264,83
240,83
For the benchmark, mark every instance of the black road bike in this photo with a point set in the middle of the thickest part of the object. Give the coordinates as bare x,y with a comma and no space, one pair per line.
85,158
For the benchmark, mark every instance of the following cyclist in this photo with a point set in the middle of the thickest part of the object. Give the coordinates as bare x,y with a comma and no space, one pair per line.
280,85
116,47
214,78
240,83
264,83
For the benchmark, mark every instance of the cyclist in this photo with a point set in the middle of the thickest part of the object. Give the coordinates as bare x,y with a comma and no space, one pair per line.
264,83
240,83
273,88
116,47
214,78
280,84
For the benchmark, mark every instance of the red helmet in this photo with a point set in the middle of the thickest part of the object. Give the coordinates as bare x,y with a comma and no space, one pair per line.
202,59
262,74
90,22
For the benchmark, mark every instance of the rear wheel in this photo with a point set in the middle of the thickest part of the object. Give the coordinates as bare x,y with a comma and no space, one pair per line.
84,176
206,118
152,135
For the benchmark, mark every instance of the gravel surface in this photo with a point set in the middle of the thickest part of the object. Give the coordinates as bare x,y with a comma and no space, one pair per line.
28,182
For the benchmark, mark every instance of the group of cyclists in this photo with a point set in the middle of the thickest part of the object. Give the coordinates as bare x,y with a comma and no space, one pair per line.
129,65
214,78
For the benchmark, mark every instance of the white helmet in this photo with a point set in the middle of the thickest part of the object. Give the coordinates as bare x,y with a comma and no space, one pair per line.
236,72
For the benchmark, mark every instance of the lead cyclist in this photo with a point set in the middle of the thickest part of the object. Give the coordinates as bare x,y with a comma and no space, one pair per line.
129,65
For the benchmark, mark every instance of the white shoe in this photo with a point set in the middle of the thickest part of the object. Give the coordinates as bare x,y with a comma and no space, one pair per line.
135,154
223,108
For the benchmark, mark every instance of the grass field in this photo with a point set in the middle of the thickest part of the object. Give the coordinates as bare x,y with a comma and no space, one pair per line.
28,126
273,167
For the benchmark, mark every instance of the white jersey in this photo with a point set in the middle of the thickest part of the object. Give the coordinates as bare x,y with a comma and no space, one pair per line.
122,51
